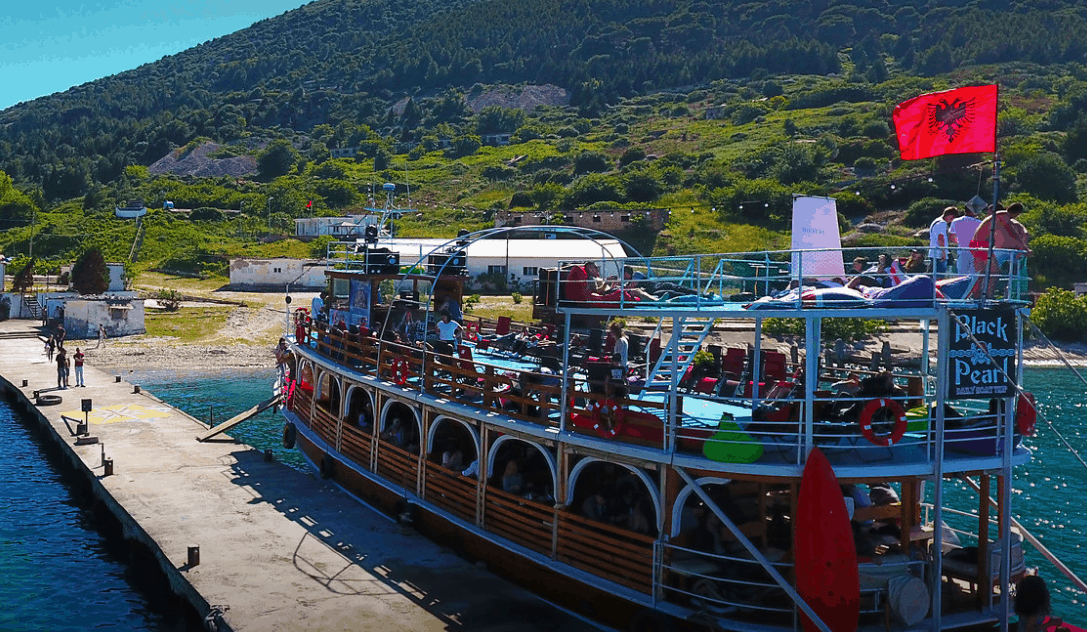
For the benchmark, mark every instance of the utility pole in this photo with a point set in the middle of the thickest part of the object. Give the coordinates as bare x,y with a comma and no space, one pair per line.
33,223
270,198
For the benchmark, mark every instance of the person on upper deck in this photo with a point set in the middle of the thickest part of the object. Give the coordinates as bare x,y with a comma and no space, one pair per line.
448,332
940,241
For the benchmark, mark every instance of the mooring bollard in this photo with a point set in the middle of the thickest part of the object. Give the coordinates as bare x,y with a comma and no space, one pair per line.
194,556
117,379
135,389
107,467
25,382
269,456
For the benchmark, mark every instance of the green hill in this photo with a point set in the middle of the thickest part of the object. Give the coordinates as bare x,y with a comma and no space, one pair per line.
718,110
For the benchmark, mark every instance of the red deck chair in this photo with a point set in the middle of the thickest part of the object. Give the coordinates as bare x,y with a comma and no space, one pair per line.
774,367
467,363
732,364
503,326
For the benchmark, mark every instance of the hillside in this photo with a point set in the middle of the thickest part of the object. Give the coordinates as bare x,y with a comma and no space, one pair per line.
719,111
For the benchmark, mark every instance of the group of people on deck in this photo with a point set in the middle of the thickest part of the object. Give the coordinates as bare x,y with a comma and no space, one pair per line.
964,240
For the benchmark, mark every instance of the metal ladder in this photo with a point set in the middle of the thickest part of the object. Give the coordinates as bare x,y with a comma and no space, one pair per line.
687,338
32,304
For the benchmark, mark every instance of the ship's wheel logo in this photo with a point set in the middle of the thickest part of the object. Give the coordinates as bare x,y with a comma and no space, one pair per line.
950,118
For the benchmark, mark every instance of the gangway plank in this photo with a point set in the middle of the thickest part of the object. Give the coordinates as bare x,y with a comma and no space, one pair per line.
239,418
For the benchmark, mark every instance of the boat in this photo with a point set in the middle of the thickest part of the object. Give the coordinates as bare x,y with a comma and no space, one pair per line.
666,492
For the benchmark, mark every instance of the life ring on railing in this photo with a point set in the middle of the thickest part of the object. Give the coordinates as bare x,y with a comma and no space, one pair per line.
600,411
401,371
290,434
869,411
1026,414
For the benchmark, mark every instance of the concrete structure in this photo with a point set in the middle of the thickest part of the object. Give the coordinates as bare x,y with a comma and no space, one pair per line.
121,317
132,210
275,274
116,277
1080,289
346,227
278,548
615,221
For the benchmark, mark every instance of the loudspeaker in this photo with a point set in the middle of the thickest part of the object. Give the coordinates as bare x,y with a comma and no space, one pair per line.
456,263
381,261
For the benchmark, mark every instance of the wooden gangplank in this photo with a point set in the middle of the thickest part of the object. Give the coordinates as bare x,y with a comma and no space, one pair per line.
239,418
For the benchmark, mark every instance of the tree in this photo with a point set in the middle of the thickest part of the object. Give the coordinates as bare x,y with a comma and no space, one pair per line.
24,280
278,159
1047,177
89,274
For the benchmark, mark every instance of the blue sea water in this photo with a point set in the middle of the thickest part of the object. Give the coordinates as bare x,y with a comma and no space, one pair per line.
1047,499
58,571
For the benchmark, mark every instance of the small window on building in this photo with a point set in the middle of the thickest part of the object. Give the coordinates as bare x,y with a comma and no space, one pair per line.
596,219
529,271
496,270
624,218
517,219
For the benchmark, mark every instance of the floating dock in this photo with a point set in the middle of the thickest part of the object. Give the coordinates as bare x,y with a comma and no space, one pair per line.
250,543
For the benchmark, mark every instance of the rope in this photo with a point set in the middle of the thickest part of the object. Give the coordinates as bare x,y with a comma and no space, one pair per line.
1019,389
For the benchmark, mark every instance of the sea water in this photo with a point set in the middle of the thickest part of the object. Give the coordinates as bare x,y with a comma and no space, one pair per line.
1048,493
58,571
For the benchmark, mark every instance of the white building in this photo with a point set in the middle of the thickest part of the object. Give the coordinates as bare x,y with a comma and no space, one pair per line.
275,274
342,228
120,316
517,260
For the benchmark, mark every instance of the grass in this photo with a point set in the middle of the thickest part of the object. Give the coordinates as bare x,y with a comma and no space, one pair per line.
148,280
494,306
188,324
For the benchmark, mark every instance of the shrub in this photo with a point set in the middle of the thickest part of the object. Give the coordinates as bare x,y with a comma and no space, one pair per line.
206,214
517,298
170,300
1059,314
923,211
591,161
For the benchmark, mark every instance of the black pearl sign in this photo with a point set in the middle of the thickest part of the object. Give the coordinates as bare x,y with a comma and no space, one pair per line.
971,373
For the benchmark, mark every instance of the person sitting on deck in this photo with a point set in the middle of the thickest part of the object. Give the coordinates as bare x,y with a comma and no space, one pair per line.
395,433
453,458
878,275
595,507
512,481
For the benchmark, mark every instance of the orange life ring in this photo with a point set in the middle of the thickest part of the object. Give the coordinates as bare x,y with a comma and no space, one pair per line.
869,411
600,409
1026,414
401,371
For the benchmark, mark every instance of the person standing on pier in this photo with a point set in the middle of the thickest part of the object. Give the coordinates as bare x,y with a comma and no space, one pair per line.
101,335
78,361
49,346
62,369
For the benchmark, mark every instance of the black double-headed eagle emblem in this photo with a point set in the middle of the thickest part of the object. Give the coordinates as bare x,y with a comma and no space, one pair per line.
950,118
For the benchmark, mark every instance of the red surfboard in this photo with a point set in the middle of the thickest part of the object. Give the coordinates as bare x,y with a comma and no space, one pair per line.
826,559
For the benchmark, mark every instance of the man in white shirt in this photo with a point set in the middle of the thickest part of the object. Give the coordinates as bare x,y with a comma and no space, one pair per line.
939,240
447,335
963,229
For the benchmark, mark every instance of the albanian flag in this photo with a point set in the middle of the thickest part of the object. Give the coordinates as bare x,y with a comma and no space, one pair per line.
960,121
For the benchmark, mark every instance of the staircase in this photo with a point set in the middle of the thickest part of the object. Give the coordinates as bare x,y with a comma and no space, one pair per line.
687,338
137,241
32,304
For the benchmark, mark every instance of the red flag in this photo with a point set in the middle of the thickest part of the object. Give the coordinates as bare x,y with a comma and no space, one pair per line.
309,204
960,121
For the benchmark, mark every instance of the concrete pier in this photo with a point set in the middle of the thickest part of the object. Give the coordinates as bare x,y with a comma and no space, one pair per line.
279,549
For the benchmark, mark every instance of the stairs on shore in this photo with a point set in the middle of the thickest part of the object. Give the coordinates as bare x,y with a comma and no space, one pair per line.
32,304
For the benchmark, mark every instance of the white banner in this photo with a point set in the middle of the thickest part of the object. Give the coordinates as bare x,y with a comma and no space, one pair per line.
815,226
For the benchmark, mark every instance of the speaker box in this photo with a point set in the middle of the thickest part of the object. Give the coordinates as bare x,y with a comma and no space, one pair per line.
455,263
382,261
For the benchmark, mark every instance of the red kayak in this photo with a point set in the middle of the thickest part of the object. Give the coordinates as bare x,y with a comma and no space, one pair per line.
826,558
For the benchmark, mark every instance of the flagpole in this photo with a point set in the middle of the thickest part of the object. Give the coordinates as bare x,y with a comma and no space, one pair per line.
992,224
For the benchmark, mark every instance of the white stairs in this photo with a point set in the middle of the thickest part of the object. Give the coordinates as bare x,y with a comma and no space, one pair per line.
687,337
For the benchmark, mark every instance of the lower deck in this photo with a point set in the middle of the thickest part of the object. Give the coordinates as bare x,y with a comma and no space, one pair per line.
626,530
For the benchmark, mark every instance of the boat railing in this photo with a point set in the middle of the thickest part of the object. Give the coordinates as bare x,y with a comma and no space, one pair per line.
721,583
724,584
398,465
356,443
606,550
529,523
451,491
706,282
